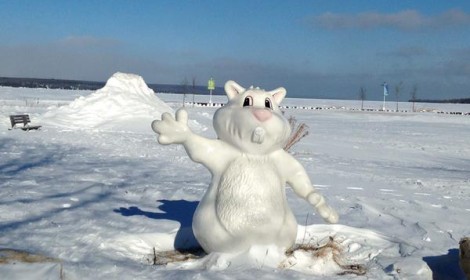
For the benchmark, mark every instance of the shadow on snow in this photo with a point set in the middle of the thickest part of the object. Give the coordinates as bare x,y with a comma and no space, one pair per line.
181,211
445,267
46,168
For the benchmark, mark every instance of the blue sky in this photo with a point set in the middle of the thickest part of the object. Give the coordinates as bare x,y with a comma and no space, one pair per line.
317,49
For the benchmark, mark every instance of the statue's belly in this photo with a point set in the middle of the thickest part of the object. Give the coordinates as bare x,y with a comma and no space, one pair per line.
250,197
245,206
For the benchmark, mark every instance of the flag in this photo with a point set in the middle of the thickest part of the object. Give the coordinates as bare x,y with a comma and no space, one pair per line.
211,84
385,85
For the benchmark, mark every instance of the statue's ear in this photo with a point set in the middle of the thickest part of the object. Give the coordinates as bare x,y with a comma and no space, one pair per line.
278,94
233,89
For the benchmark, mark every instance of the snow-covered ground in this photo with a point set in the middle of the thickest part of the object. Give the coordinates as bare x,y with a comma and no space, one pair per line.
94,189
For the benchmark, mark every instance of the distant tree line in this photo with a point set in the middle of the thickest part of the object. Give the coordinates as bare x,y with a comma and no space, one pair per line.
91,85
413,97
50,83
456,101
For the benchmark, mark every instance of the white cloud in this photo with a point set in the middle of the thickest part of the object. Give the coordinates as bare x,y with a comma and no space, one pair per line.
406,52
407,20
87,41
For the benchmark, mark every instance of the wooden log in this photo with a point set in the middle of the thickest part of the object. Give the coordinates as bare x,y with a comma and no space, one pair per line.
465,256
16,264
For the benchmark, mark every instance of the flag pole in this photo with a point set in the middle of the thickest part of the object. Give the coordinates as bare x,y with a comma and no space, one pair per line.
383,106
385,94
210,87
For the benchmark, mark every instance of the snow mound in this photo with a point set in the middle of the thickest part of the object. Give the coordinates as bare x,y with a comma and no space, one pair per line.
355,250
125,103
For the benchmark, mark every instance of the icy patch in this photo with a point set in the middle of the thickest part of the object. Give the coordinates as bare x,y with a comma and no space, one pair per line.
422,194
411,268
355,188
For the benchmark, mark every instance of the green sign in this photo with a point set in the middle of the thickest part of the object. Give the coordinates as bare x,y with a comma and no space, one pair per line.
211,84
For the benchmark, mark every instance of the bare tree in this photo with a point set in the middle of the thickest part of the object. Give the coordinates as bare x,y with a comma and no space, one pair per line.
194,88
414,96
362,96
398,89
185,85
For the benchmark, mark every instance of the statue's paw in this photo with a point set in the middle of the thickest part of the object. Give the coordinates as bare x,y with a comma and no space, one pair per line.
156,126
163,126
333,218
172,130
315,199
328,214
164,140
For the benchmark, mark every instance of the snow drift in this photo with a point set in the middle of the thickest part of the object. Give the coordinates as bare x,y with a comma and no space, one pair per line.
354,251
125,103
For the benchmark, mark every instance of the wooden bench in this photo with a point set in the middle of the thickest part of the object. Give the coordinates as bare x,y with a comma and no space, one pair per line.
25,120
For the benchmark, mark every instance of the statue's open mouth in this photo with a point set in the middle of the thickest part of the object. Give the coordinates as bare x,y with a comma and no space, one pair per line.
258,135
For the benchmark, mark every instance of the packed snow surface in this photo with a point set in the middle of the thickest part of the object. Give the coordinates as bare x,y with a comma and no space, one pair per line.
94,189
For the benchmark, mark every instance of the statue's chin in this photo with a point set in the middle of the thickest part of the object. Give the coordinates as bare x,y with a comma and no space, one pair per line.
258,135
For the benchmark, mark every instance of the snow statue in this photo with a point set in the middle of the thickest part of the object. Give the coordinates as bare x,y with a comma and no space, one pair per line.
245,204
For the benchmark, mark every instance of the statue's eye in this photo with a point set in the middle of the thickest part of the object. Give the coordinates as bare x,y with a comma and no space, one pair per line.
268,104
248,101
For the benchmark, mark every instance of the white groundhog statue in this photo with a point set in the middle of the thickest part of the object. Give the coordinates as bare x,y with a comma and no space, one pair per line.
245,204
